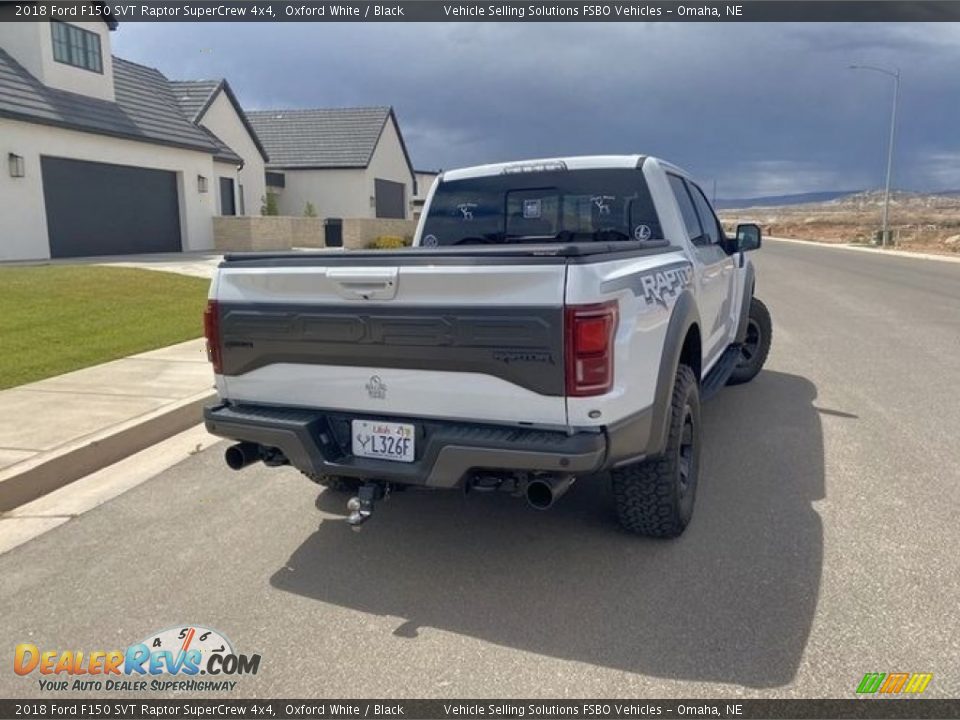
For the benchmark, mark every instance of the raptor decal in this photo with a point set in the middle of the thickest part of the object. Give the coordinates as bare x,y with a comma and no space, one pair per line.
657,286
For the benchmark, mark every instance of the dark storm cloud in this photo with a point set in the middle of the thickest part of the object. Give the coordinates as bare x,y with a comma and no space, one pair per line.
761,108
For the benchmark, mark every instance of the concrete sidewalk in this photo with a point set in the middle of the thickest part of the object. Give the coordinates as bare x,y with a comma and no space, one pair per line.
63,428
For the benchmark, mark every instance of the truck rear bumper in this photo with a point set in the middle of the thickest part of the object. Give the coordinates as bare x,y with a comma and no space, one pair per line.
319,442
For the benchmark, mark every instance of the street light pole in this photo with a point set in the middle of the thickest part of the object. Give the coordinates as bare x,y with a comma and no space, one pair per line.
893,133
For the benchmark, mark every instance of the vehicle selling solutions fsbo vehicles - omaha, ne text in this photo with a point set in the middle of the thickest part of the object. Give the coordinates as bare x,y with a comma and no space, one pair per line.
555,319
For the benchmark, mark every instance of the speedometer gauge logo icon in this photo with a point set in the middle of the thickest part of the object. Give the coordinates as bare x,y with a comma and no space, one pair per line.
184,639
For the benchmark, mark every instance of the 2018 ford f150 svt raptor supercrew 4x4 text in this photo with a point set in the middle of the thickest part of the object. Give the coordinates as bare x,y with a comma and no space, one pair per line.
555,319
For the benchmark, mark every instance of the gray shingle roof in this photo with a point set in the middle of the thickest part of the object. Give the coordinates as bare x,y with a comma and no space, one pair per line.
194,95
145,94
330,138
144,109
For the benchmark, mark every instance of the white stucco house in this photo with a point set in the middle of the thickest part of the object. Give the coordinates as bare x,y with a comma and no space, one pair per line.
212,105
425,180
346,162
103,156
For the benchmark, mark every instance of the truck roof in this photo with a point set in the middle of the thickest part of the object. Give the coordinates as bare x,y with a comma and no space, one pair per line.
579,162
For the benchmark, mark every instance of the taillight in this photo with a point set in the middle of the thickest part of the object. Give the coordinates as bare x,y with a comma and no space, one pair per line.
211,331
589,332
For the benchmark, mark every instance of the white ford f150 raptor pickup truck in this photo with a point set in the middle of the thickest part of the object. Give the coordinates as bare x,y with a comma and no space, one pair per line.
555,319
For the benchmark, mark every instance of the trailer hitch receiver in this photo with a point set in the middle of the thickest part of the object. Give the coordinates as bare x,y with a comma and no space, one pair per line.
361,505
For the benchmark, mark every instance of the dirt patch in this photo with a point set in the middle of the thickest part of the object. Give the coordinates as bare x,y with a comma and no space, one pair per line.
923,223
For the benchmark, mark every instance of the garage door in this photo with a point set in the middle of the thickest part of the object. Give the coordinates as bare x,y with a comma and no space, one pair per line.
101,209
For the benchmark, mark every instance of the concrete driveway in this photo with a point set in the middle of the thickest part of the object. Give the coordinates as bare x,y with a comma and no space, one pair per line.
198,264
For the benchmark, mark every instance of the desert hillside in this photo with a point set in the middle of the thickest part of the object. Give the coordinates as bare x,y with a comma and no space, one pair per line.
930,223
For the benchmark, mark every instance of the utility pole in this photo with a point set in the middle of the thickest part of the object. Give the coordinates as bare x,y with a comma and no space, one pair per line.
895,74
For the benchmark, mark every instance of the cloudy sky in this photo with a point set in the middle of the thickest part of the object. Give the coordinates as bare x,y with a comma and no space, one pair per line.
763,109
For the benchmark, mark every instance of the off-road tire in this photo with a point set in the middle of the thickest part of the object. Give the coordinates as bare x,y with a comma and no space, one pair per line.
335,482
655,497
756,345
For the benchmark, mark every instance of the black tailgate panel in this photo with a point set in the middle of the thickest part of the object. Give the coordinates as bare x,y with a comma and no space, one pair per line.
523,346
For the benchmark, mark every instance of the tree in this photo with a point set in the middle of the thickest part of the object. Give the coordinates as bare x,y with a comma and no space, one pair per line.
268,204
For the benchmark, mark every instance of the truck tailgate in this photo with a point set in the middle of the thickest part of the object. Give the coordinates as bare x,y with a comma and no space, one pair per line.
396,334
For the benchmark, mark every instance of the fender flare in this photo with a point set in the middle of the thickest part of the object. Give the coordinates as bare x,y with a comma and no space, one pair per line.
749,282
685,315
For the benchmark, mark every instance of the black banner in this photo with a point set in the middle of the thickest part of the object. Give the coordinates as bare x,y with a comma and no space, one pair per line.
486,11
480,709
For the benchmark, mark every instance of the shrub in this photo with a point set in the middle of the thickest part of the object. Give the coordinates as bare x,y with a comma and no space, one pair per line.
389,242
268,204
309,210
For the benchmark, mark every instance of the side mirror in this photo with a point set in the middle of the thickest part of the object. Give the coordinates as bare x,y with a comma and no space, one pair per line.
749,237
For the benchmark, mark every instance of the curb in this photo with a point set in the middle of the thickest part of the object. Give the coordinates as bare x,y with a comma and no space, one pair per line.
52,470
880,252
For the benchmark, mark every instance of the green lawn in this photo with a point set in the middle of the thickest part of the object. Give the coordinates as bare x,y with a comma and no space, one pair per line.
58,318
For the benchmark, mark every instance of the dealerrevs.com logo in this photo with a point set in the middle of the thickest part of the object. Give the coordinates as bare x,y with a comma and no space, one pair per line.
167,661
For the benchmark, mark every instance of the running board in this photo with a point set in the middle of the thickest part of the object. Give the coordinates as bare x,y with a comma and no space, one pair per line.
720,372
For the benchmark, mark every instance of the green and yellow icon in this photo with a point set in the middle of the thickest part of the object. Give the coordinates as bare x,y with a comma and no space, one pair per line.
894,683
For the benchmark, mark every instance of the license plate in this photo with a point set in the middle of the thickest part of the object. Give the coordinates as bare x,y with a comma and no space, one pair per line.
382,440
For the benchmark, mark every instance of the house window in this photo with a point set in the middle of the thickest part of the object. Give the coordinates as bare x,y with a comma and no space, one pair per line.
76,46
389,199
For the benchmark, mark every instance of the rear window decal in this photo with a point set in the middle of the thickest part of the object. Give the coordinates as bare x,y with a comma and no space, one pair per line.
603,203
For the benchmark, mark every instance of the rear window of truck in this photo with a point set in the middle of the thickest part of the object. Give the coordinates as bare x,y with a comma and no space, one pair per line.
561,205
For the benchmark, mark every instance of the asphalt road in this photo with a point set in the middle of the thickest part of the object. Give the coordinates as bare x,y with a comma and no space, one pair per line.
824,544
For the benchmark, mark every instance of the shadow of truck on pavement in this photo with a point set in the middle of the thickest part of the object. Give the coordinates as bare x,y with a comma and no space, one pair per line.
731,601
